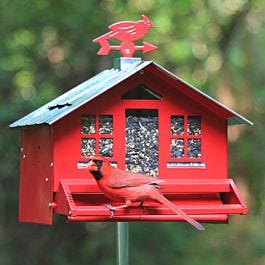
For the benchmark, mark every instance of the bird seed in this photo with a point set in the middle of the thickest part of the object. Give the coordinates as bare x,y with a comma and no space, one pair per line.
142,144
194,125
88,147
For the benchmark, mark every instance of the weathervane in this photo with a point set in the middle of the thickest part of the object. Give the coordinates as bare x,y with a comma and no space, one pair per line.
126,32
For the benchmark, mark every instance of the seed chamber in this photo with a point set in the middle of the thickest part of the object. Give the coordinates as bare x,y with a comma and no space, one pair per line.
142,141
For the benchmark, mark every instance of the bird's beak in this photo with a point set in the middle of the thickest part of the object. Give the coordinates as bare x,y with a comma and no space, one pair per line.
91,166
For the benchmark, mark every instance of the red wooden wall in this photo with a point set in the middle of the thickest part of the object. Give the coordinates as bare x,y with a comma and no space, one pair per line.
67,131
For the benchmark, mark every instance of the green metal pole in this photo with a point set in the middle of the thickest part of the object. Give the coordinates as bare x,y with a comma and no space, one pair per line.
122,243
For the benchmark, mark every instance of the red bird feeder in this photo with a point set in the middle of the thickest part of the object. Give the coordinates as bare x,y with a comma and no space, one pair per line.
144,119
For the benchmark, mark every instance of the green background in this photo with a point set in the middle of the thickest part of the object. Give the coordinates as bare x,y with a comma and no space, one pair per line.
46,48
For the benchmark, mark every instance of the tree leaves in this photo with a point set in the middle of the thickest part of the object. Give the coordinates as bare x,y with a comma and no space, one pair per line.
46,48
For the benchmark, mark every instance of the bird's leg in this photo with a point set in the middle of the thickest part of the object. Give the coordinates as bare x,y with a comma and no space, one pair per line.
112,209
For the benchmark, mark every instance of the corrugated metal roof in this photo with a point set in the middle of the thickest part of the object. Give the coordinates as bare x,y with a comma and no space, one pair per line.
93,87
235,117
78,96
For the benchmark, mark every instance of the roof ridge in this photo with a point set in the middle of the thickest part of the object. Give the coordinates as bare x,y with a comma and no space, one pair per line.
100,83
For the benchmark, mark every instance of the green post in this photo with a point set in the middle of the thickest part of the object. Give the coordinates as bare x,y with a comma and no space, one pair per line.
122,243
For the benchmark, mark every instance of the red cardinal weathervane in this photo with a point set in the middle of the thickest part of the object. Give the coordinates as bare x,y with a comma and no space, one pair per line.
126,32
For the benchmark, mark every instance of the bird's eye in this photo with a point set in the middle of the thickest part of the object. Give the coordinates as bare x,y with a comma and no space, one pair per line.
98,163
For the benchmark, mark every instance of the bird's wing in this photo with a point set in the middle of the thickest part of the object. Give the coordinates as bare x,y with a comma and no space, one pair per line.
122,179
124,25
131,30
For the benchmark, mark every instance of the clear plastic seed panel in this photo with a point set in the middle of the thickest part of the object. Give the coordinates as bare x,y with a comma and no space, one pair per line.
177,125
194,125
88,124
142,141
106,147
194,148
177,148
88,147
105,124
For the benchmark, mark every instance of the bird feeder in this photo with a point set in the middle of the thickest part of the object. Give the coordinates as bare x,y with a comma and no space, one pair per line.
144,119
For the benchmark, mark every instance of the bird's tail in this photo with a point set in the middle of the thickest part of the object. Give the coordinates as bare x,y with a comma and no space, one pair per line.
156,195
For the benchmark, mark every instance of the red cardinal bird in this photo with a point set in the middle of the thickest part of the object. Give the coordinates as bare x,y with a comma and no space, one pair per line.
128,187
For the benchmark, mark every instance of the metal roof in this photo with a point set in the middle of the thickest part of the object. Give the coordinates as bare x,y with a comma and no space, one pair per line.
93,87
235,117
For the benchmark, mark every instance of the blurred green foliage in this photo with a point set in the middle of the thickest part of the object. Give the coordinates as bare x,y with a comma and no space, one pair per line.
216,45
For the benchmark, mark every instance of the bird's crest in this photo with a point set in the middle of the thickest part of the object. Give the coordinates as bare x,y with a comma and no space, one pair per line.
147,21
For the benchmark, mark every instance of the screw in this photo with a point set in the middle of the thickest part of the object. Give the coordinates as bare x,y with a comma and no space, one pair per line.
51,204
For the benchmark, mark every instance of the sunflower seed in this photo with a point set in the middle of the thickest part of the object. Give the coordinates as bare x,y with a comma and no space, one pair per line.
142,144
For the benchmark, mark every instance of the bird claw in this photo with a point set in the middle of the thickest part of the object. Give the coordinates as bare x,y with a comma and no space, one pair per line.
111,208
141,205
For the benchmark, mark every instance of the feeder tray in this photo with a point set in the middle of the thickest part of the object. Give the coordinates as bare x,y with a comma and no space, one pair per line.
204,200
